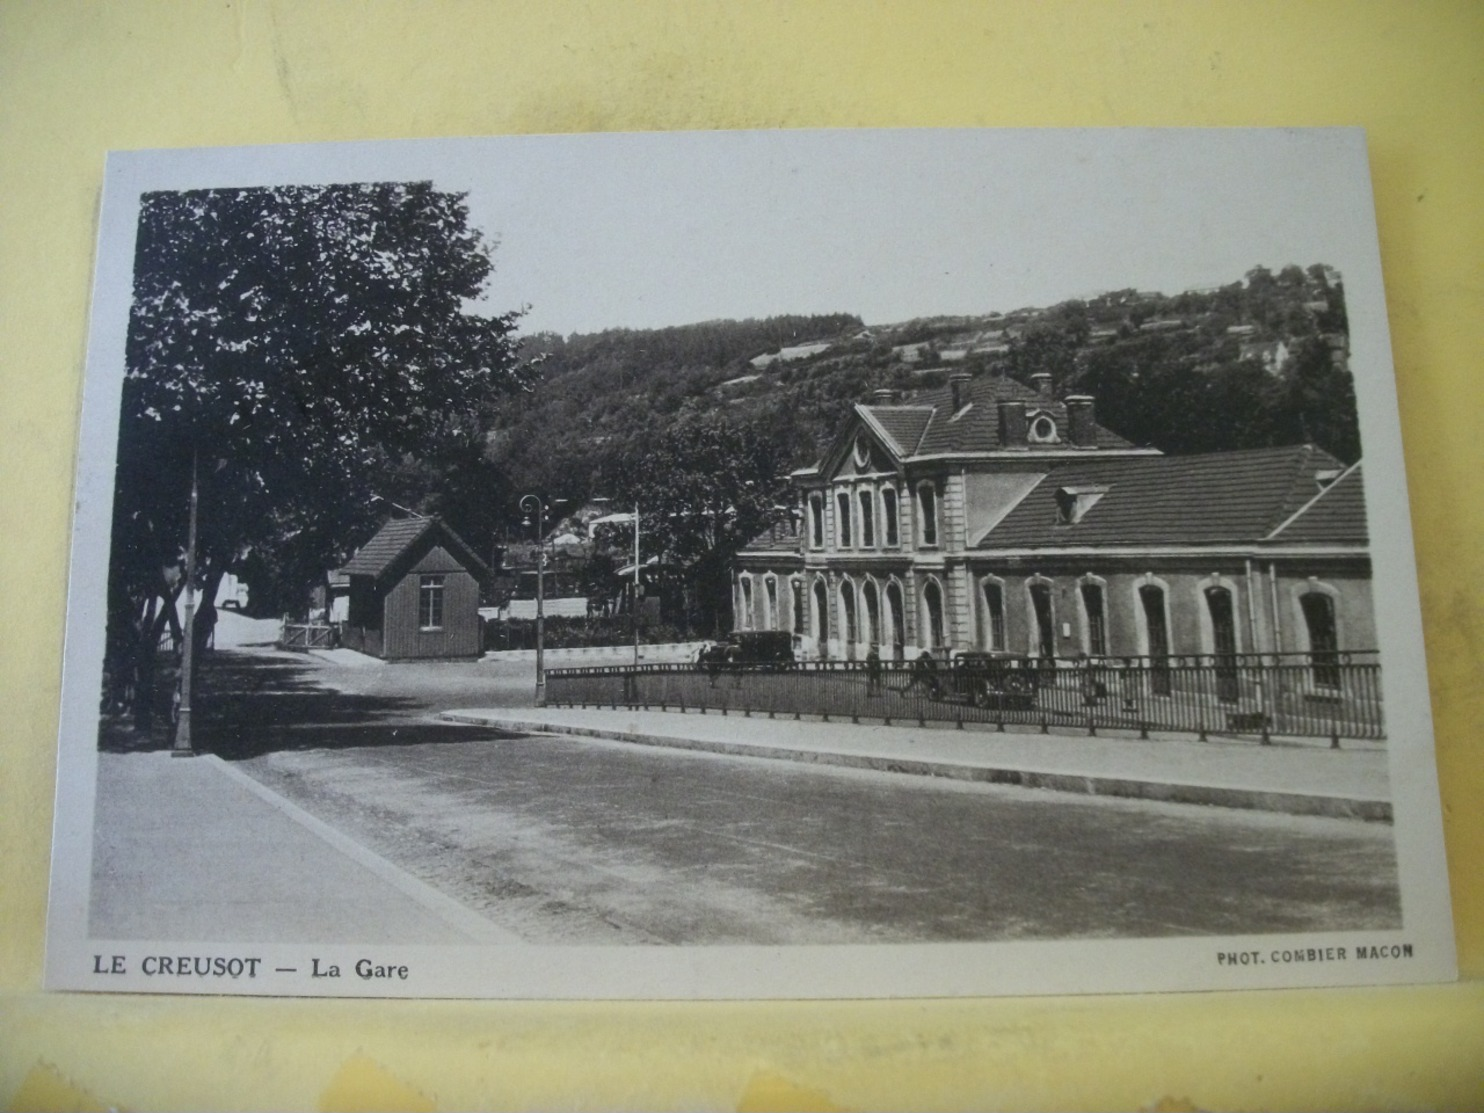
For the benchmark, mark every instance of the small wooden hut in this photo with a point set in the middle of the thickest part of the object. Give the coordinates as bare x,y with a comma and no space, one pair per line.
414,594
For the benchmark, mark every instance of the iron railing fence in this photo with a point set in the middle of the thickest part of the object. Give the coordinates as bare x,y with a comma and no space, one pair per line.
1334,695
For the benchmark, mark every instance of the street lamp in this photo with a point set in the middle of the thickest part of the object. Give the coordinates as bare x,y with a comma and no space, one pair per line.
183,746
636,585
535,511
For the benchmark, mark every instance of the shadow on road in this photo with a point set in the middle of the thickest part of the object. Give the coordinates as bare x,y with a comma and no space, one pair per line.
248,704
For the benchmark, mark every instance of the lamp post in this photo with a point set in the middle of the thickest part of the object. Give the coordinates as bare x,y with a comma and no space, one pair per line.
636,585
535,509
183,746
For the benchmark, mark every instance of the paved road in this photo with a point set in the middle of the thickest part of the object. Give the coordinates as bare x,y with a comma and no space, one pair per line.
587,841
590,841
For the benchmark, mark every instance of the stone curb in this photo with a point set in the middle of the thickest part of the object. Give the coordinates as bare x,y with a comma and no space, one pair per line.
1287,803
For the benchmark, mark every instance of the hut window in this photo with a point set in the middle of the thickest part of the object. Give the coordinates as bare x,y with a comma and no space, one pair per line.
430,602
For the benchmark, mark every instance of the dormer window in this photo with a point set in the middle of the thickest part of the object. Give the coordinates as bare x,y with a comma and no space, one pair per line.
1325,476
1042,429
1072,503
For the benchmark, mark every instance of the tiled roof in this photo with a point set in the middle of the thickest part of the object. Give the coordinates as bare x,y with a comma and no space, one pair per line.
928,426
397,537
1335,515
903,424
1216,497
781,536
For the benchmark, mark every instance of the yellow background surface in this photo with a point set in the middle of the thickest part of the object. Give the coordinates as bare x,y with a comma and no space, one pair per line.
79,79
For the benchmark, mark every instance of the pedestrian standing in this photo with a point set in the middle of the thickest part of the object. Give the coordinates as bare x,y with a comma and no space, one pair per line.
873,670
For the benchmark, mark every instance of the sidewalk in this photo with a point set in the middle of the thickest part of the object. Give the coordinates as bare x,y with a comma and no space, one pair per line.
1299,780
194,849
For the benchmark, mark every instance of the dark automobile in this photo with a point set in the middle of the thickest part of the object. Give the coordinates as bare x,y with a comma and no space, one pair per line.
998,680
760,648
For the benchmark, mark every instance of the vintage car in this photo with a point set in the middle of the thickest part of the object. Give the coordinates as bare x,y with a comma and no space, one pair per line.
751,649
991,680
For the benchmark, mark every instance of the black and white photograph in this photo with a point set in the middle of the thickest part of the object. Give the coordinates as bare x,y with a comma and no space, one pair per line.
744,565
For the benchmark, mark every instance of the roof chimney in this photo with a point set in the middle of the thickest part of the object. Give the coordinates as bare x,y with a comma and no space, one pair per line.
1012,424
883,396
1080,428
1041,380
958,384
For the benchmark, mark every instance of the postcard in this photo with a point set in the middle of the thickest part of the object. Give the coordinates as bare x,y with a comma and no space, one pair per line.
785,564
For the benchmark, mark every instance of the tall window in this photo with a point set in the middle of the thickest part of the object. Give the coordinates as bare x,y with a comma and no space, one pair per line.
821,616
771,618
1097,620
994,616
847,614
1045,620
873,613
868,521
889,516
746,604
1324,641
1152,599
932,598
1223,641
816,522
896,632
430,602
798,594
927,500
842,520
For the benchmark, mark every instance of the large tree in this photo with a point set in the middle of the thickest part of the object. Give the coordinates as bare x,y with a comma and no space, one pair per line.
291,347
705,486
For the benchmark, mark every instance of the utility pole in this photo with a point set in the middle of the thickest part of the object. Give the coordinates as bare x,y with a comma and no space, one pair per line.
537,510
183,747
636,585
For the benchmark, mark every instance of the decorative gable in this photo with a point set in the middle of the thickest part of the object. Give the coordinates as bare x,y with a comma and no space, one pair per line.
859,452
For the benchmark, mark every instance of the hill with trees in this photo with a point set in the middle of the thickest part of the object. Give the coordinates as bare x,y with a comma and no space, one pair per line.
708,419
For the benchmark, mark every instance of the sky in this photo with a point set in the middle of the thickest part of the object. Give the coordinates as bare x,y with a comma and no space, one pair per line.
656,229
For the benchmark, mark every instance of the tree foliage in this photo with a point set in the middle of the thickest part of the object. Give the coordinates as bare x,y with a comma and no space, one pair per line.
704,487
295,346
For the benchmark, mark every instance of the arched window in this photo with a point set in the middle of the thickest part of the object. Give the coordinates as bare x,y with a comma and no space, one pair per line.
816,522
873,613
842,519
746,584
927,502
889,516
1095,613
849,632
798,600
932,603
1324,640
868,519
994,615
1044,617
1223,641
821,617
896,633
770,618
1157,631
